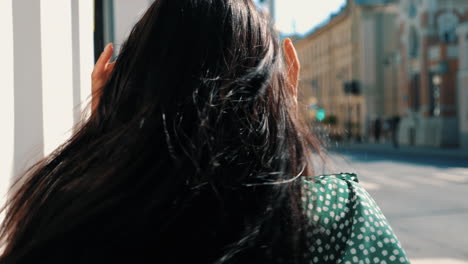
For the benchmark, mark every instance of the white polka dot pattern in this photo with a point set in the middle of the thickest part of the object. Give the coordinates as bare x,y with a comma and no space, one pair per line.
345,224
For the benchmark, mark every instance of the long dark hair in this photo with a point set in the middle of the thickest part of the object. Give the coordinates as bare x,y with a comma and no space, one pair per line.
193,154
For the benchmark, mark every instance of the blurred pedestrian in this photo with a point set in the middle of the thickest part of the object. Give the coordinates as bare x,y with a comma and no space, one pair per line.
395,127
377,130
194,153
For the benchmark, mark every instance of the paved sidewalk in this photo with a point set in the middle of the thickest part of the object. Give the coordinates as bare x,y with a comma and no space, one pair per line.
438,261
389,149
423,198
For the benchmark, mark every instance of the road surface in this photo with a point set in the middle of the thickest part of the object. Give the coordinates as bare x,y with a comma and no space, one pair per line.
424,198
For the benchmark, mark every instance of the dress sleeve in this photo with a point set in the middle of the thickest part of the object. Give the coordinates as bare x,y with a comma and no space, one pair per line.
345,224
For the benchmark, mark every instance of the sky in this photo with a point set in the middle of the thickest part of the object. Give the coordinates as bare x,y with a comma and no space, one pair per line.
300,16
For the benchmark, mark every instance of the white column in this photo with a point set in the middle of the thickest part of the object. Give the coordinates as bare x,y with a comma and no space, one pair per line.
28,115
76,65
86,48
83,55
46,62
57,67
6,98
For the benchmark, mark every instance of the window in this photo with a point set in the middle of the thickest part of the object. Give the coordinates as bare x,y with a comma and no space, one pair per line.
413,45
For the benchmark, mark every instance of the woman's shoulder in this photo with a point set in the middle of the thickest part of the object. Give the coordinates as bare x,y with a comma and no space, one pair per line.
327,198
346,223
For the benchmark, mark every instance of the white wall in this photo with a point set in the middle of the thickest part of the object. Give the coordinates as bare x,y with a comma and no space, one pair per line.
57,72
47,57
28,115
85,42
6,97
46,61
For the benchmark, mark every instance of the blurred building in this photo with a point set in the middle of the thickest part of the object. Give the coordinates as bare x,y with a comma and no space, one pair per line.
268,6
428,69
462,87
329,58
349,68
378,64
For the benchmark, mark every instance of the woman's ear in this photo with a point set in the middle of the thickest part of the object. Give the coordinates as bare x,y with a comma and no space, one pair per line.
293,65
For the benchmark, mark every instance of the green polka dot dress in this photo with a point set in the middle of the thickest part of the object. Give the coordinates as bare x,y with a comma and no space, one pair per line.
346,225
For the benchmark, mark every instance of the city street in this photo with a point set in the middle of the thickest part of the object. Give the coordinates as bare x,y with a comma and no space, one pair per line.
425,198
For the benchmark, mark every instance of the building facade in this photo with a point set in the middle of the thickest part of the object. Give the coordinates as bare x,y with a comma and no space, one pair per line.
349,68
462,86
329,58
429,68
378,63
